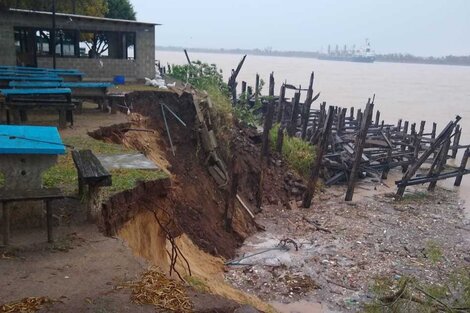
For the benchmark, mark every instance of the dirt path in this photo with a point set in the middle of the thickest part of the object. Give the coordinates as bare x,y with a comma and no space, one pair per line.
80,270
343,246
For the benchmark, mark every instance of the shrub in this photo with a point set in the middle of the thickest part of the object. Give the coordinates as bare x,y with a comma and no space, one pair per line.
299,154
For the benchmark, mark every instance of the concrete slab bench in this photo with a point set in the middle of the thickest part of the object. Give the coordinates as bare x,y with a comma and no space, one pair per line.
91,173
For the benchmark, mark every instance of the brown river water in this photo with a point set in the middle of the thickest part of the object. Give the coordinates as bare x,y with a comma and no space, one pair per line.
414,92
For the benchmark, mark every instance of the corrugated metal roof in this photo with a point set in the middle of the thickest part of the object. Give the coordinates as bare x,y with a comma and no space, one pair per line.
87,17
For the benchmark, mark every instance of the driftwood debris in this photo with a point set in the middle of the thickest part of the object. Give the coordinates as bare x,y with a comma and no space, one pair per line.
353,143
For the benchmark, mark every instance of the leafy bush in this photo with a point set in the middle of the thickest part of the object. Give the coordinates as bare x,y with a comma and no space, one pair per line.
201,75
299,154
208,77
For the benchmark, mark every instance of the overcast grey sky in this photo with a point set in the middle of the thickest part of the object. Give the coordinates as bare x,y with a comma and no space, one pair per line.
421,27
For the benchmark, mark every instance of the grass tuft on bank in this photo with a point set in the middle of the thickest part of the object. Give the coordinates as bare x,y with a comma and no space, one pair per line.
299,154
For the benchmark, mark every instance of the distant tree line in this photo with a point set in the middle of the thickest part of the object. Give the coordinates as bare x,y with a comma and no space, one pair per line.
392,57
409,58
121,9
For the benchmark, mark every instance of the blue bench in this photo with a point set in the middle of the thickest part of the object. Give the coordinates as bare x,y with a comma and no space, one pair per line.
71,85
19,101
38,69
15,73
68,75
95,91
5,79
35,91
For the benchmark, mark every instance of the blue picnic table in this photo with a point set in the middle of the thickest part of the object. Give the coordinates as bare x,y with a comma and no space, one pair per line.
30,140
26,152
19,101
95,91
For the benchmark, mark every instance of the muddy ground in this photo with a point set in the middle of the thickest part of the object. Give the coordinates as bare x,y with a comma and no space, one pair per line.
83,269
343,247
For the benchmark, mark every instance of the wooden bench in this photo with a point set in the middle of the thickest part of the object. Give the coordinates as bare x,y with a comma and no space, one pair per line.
91,173
45,194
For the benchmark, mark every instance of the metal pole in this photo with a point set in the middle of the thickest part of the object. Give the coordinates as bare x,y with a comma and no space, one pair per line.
53,35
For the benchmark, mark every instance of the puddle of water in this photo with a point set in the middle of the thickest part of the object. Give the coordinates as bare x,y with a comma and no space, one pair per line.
300,307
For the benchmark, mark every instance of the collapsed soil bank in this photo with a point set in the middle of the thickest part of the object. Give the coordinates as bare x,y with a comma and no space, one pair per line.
194,200
189,205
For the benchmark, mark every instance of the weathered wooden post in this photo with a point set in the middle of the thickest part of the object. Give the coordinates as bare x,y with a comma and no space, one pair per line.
187,57
405,128
359,119
280,113
359,148
455,144
231,197
268,123
257,91
341,121
399,125
413,128
416,145
463,166
232,82
433,132
377,118
421,128
389,156
292,128
306,107
440,164
243,87
321,147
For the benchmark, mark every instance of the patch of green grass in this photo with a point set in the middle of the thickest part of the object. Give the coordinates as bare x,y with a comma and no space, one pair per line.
97,146
415,196
2,179
298,153
124,179
433,251
64,174
197,284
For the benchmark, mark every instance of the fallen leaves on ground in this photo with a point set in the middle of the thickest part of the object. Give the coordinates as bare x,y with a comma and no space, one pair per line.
156,289
25,305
